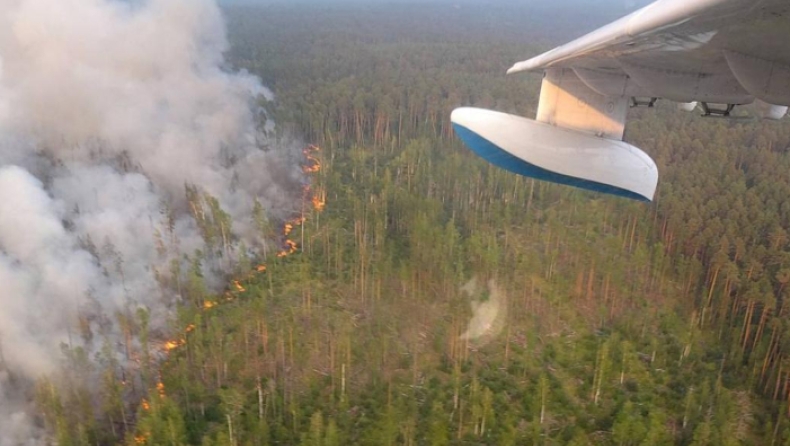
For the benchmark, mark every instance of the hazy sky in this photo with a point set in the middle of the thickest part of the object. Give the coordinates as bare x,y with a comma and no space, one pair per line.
625,4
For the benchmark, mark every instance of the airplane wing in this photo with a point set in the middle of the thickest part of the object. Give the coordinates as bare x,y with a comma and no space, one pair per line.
718,53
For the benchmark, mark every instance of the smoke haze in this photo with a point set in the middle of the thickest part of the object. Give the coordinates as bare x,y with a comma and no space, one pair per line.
108,109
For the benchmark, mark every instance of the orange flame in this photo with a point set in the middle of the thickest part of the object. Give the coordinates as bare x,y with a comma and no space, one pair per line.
290,248
318,200
172,345
312,164
318,203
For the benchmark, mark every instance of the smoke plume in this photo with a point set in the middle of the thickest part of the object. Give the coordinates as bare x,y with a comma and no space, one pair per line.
108,109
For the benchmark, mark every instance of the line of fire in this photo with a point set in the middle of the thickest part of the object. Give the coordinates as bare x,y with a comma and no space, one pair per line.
311,197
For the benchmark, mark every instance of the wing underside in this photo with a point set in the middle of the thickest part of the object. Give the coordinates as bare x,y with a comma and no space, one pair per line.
717,51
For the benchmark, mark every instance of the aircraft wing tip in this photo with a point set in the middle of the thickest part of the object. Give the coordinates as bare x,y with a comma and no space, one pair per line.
514,69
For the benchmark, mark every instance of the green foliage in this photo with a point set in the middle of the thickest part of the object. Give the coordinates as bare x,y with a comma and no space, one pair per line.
161,424
629,428
621,323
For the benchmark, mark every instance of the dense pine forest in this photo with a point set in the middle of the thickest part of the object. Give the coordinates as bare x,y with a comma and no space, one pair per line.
425,297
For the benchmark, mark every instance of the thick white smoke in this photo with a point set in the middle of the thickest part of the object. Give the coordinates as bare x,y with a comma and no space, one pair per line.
108,108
